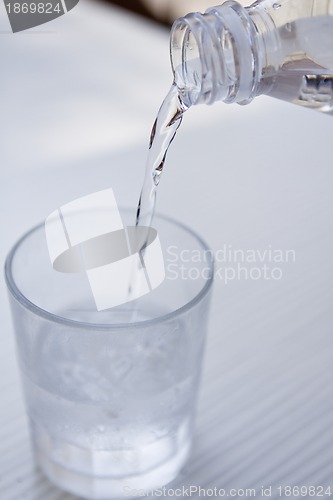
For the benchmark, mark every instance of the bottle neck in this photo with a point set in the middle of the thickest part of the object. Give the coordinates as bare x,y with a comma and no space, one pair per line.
217,56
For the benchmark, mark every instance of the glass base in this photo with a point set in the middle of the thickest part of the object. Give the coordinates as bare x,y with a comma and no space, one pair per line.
103,487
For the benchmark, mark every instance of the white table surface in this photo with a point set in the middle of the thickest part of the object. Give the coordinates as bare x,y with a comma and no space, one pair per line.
78,97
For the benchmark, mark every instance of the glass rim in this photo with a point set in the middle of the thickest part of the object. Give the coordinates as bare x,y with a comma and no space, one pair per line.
39,311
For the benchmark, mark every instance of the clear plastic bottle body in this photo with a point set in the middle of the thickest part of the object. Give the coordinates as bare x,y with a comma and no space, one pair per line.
281,48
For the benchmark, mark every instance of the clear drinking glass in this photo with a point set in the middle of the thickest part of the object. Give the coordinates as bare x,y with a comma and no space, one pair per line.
110,395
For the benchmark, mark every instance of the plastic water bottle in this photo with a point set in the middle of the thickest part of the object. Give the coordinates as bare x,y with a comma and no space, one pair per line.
281,48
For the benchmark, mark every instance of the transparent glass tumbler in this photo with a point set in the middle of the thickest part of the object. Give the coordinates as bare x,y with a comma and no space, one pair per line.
110,394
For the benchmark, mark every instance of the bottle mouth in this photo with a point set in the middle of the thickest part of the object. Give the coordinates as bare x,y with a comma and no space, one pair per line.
199,66
186,60
213,55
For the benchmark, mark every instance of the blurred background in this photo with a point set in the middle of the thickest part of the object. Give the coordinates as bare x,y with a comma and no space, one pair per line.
164,11
78,99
